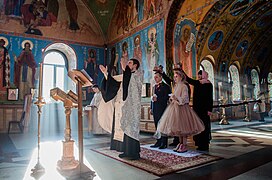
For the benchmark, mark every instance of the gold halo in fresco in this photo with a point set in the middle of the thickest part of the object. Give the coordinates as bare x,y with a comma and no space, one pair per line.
6,41
30,42
137,40
151,31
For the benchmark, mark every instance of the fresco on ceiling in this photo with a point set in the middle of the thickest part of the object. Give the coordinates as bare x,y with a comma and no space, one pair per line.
25,60
240,6
103,11
131,13
265,20
146,45
184,46
215,40
49,18
242,48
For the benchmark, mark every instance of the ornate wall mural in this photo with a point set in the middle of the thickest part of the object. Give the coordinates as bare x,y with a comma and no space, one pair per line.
184,46
130,14
215,40
51,18
240,6
87,57
146,45
242,48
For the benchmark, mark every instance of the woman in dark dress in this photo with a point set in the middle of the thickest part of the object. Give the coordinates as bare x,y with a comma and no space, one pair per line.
202,104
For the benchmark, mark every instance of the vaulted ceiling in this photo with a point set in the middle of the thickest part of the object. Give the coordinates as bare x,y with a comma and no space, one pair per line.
241,20
246,21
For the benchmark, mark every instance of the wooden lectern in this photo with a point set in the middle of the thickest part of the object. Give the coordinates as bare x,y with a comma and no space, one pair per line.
67,162
82,79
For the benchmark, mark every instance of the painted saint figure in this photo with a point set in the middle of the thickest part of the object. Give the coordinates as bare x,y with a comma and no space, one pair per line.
215,40
24,71
187,40
90,65
137,48
4,65
152,52
124,53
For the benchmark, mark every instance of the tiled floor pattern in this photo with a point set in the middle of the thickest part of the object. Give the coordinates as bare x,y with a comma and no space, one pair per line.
228,142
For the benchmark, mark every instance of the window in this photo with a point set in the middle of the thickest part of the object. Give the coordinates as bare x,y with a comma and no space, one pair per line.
269,80
54,71
255,81
236,91
208,67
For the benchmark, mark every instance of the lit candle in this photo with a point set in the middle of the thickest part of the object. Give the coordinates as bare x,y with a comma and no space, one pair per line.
40,79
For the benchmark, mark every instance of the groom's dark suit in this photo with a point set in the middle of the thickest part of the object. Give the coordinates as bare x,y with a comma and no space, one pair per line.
162,92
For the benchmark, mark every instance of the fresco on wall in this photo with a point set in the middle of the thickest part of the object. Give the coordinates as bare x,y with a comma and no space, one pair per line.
25,69
50,18
240,6
265,20
215,40
146,45
91,66
138,53
125,51
184,46
129,14
26,53
4,63
242,48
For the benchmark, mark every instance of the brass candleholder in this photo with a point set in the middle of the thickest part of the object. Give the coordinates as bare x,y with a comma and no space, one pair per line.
246,119
38,170
224,120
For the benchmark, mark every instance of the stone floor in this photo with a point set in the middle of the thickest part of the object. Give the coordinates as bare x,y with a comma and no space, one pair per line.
245,148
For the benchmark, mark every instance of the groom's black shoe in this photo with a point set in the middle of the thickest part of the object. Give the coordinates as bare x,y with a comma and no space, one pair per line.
157,144
164,146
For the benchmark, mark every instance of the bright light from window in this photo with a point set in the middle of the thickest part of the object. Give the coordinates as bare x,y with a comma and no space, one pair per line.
48,81
236,92
54,58
54,69
208,67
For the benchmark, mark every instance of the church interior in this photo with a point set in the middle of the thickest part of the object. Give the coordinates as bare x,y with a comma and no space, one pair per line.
50,52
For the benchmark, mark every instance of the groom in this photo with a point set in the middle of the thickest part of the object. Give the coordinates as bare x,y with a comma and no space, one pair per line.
159,101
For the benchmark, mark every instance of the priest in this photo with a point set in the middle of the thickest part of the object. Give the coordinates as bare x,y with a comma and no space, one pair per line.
127,93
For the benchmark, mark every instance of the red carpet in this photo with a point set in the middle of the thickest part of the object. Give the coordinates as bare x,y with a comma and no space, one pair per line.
160,163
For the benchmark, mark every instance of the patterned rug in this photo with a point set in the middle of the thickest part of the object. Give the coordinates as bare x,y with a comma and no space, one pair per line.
160,163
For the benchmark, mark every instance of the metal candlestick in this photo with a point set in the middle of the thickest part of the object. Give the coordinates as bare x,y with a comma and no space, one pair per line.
247,112
224,120
38,170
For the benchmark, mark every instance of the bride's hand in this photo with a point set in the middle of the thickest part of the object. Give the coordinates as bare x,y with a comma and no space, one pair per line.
173,97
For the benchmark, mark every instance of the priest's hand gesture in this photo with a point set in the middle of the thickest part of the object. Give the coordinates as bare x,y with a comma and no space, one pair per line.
123,63
104,70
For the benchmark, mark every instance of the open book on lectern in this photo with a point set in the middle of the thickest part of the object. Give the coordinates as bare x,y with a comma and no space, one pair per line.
81,76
